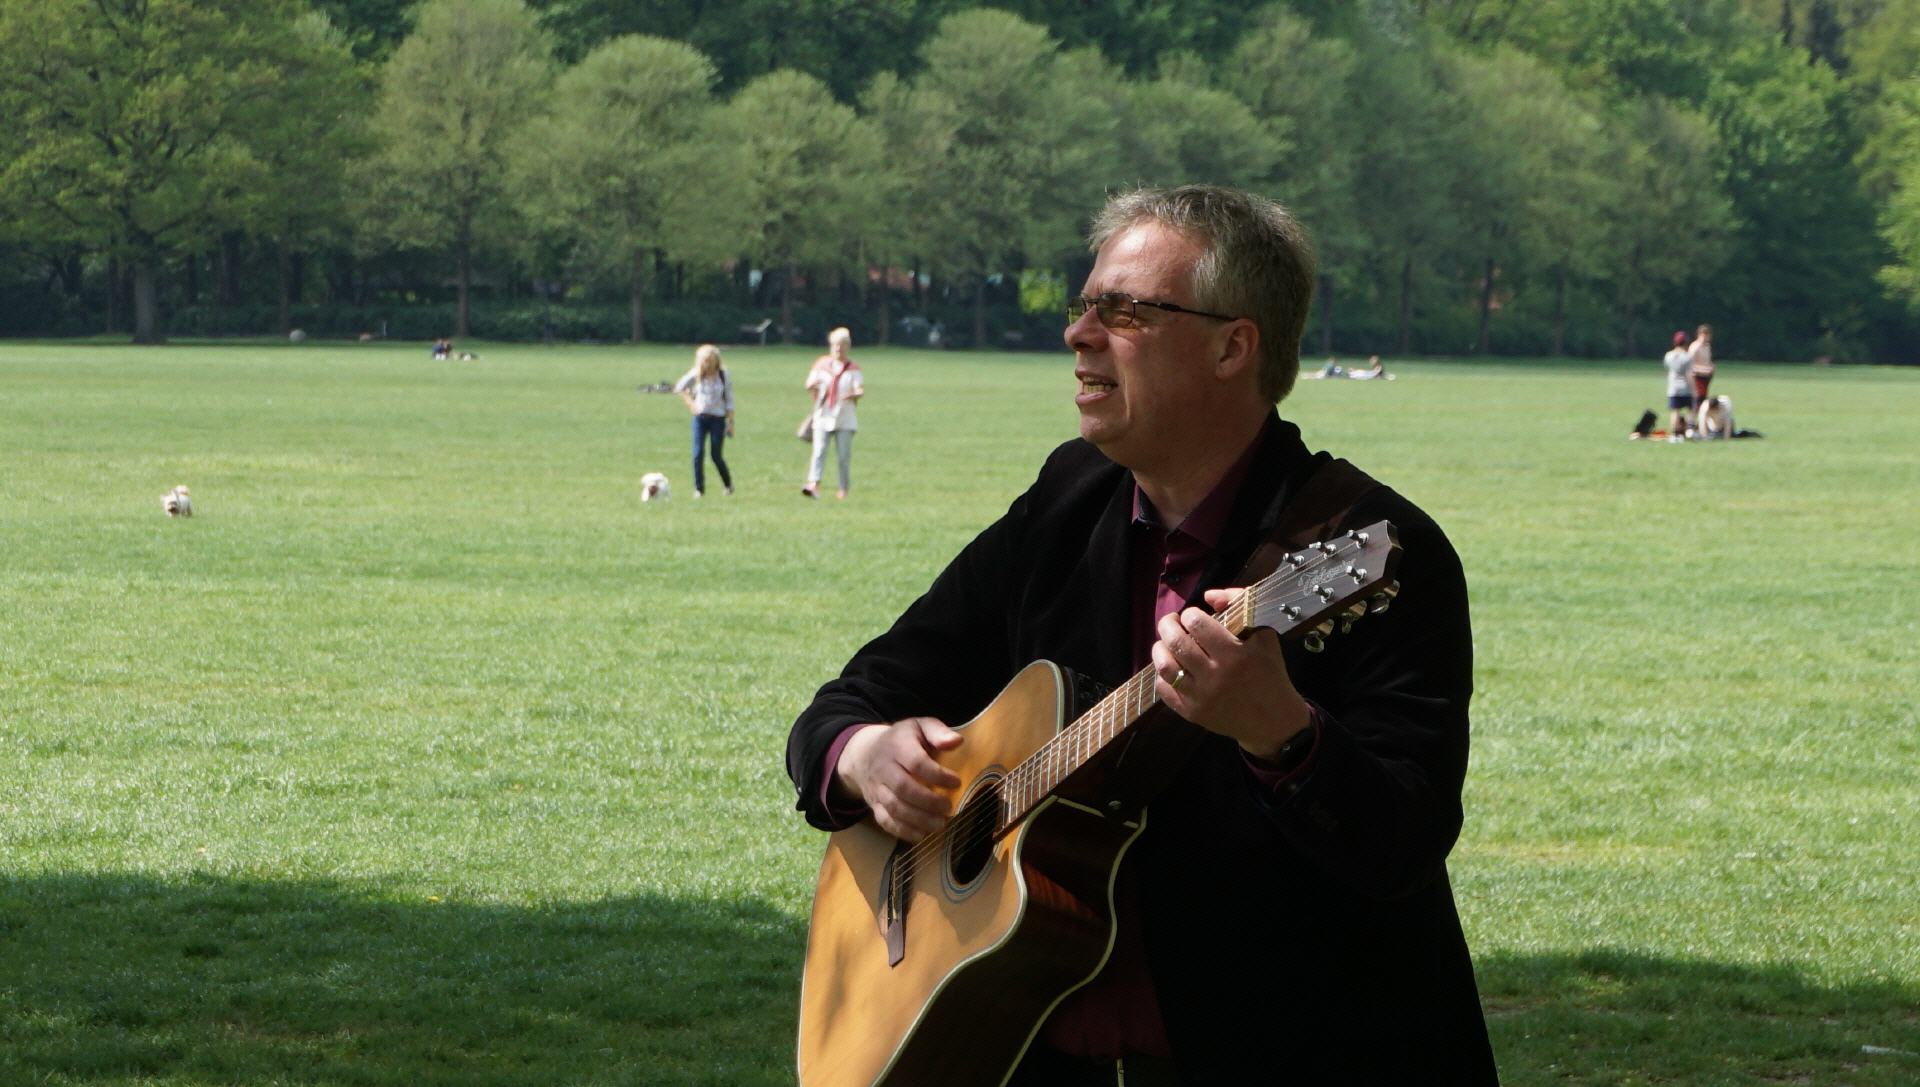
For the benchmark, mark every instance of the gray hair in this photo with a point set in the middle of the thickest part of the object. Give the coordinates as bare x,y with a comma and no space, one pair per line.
1258,262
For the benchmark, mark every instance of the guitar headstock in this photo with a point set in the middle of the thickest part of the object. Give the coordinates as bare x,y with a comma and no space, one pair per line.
1325,584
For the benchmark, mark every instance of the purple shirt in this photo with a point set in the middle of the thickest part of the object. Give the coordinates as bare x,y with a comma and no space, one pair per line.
1117,1012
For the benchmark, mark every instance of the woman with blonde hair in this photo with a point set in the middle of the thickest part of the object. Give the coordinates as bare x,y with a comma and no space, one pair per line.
836,384
709,396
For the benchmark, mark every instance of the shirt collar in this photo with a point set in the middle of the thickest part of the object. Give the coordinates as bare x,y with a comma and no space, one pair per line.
1208,518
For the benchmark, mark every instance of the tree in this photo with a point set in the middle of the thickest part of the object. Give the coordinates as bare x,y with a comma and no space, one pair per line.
622,165
1407,155
295,192
1301,87
1804,250
1533,145
455,98
1669,219
372,27
805,163
1020,172
1900,211
916,127
839,42
143,119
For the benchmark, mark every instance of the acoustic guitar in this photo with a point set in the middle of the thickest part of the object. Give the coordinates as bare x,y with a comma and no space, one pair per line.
935,963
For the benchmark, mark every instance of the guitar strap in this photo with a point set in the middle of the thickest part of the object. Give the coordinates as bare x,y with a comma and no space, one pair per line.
1324,501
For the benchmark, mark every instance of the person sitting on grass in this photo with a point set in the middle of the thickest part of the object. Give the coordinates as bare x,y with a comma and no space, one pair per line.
1375,371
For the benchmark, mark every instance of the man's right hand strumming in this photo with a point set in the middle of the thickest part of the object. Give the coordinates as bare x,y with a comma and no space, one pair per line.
891,769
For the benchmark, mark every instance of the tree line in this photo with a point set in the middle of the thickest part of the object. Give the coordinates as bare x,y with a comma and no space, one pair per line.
1504,176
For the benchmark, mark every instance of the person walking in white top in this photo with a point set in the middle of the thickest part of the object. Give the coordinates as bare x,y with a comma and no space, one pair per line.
836,384
709,396
1679,393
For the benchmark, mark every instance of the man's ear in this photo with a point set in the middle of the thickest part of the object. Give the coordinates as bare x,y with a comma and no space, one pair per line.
1239,350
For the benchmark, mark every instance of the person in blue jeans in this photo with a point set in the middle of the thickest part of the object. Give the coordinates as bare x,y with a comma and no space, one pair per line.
709,396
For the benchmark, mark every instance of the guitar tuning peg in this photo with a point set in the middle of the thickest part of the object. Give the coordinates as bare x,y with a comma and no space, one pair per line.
1313,642
1384,597
1356,609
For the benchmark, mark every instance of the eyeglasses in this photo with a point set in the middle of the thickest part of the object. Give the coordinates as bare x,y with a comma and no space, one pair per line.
1116,310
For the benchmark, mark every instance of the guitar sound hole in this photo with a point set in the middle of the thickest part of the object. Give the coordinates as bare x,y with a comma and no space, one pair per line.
970,833
970,843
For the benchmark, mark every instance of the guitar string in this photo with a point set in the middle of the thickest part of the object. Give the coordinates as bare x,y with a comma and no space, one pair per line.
969,824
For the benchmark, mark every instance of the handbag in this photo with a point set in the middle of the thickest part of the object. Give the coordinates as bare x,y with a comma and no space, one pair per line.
805,433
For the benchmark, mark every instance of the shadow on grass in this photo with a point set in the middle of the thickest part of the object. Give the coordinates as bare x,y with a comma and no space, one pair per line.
1620,1017
108,979
131,979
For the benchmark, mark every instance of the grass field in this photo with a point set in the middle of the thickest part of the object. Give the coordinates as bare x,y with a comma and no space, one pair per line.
426,754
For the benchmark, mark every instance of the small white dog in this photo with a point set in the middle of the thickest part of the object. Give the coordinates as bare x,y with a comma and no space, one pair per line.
177,502
654,485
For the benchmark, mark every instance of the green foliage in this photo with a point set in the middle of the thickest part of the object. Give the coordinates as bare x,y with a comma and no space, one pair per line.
295,192
140,125
1405,161
1566,168
1301,88
916,127
1803,250
1668,220
455,99
839,42
621,165
374,27
802,164
1012,180
1042,292
1900,213
1177,127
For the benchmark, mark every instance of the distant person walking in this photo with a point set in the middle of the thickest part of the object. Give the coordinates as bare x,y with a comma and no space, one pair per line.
1679,363
836,384
1701,354
708,394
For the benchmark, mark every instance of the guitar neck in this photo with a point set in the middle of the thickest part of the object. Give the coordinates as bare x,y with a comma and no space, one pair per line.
1310,587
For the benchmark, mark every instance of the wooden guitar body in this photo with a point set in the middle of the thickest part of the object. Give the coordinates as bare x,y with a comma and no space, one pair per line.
990,934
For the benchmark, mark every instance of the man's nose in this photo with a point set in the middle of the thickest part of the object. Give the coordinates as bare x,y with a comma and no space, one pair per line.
1087,333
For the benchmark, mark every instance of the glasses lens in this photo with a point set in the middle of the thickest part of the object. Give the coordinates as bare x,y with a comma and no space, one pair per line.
1116,310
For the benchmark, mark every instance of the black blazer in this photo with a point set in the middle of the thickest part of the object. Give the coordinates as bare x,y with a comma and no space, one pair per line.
1308,937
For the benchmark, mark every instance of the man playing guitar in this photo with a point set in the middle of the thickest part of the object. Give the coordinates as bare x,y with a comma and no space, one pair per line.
1280,911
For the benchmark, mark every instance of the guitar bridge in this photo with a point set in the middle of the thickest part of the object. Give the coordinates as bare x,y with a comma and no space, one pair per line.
893,905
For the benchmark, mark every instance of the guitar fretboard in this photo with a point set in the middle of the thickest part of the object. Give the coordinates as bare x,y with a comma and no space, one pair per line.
1041,772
